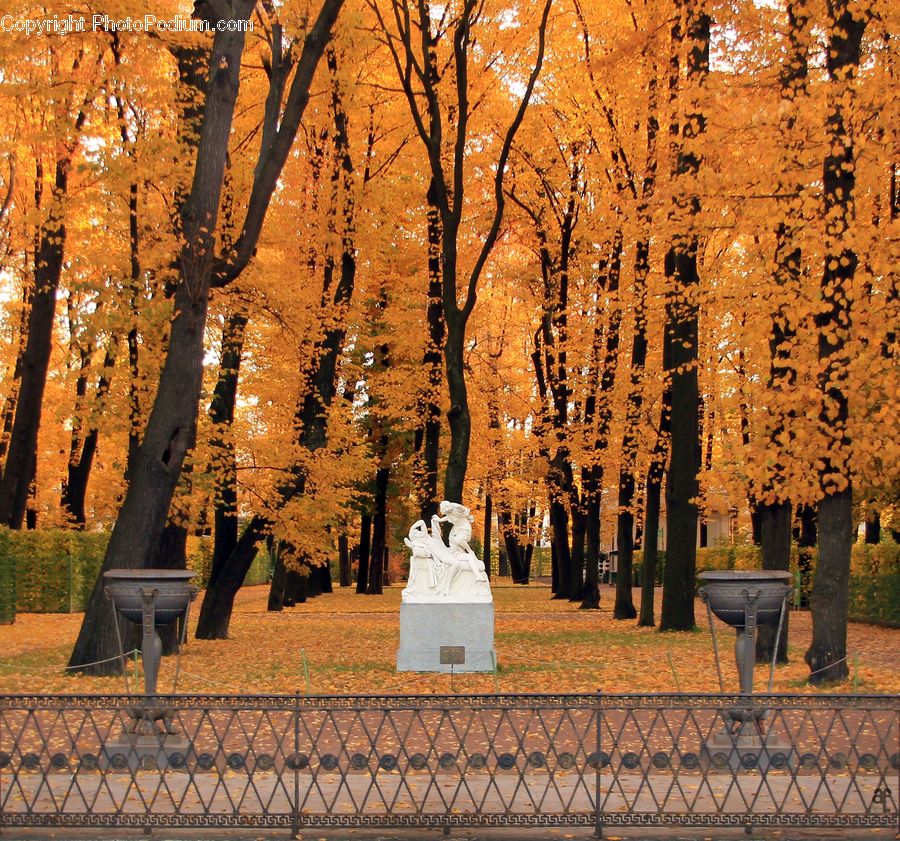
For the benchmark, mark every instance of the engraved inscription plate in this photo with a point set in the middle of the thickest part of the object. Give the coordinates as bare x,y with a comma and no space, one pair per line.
453,655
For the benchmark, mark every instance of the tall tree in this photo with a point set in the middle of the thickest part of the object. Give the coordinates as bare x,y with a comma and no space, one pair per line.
775,508
21,459
827,653
414,38
681,266
167,436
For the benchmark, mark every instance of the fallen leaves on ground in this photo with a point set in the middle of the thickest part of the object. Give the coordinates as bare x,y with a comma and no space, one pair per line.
349,643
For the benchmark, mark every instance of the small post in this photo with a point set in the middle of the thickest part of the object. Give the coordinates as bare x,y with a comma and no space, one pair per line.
704,597
674,673
598,819
305,670
295,806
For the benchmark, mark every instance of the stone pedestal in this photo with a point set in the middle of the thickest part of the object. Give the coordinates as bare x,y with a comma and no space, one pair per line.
425,628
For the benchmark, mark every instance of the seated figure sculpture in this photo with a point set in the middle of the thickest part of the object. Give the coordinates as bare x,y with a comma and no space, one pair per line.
441,571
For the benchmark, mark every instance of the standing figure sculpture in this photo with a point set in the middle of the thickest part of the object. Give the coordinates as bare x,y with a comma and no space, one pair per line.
441,571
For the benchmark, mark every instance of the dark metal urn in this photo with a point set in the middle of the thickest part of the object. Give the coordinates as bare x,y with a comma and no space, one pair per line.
745,600
152,598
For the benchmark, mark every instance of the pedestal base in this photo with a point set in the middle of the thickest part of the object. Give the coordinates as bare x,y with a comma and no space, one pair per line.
748,751
133,752
425,628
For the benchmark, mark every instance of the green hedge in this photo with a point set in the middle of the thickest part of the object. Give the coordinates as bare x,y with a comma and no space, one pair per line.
54,569
7,585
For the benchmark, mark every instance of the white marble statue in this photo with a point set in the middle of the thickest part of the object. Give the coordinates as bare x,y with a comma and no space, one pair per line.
445,572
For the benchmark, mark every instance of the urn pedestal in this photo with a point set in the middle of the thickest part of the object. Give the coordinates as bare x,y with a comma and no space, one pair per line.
745,600
152,598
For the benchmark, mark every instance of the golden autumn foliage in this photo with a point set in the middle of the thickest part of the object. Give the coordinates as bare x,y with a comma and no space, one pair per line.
98,139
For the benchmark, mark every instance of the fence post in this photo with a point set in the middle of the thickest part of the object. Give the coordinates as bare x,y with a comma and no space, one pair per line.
295,811
598,814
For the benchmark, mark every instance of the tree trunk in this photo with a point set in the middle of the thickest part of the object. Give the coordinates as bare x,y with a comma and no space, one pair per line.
218,601
365,550
21,458
502,561
458,416
775,534
346,578
167,437
827,654
379,532
655,474
221,412
575,574
171,554
326,583
213,610
487,533
647,618
590,592
277,589
873,529
430,399
559,525
554,570
682,314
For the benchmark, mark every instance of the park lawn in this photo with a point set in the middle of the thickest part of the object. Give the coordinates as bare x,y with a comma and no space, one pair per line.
347,643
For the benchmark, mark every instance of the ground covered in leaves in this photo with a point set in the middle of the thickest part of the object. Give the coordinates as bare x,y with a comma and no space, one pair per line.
347,643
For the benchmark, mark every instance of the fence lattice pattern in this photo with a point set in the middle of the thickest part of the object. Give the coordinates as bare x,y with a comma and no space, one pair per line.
442,761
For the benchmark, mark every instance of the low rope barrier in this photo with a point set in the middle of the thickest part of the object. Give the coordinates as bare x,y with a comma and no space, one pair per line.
128,654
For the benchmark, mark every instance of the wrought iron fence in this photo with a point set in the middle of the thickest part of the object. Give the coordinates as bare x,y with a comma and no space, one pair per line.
443,761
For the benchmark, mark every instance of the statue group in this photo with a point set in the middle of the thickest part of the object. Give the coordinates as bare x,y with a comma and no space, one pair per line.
451,571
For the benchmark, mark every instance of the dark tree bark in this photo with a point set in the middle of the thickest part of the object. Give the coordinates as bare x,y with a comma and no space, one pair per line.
379,529
430,399
650,533
84,445
167,436
515,555
170,554
682,308
220,589
487,533
221,412
503,561
775,534
9,406
873,529
625,518
218,601
827,653
365,551
21,458
346,577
